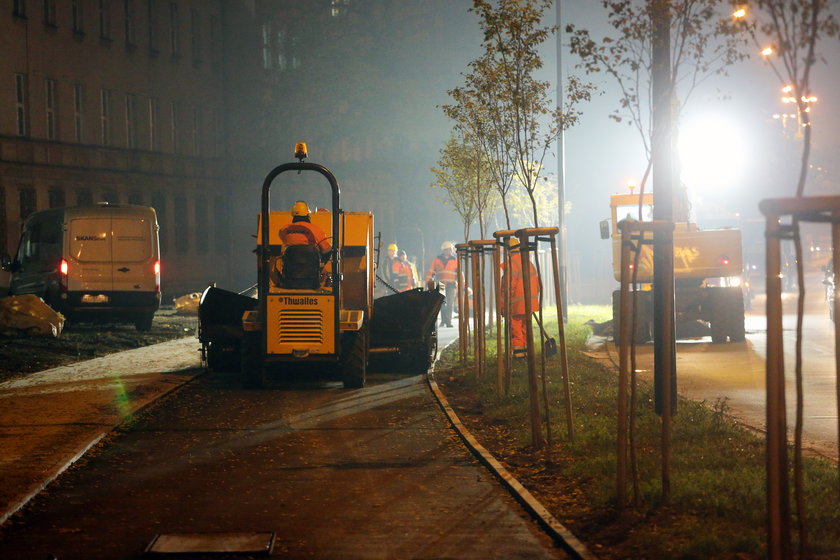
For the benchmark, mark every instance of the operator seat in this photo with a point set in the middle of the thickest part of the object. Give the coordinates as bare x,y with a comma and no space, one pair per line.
301,267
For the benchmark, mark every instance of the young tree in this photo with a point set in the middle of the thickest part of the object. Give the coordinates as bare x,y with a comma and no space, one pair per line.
787,33
478,114
513,33
511,112
703,45
463,174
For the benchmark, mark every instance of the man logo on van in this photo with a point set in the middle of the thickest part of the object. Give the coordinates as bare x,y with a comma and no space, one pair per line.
100,237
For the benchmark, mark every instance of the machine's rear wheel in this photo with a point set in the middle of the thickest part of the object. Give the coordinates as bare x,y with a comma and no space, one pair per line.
354,358
253,368
727,315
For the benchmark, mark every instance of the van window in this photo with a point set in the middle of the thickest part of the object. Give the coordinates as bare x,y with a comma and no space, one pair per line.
40,242
132,240
90,239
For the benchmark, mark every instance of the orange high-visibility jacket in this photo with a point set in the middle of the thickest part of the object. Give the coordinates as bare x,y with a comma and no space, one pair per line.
443,270
401,276
305,233
517,286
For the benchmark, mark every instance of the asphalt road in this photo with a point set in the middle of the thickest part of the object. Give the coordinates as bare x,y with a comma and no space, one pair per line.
334,473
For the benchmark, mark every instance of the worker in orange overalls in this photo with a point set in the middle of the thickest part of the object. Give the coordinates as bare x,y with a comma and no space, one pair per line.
444,269
405,273
518,315
303,232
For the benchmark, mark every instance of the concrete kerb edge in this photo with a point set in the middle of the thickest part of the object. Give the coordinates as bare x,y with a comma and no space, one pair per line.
37,489
562,536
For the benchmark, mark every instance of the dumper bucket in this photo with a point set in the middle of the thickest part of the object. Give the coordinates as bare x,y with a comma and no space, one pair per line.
220,327
220,314
403,325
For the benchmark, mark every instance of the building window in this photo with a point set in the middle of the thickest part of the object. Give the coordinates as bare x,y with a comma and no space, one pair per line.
153,124
130,24
79,111
84,197
20,104
215,57
151,8
173,131
56,197
19,8
220,223
174,36
78,17
49,13
110,196
182,231
51,108
130,122
195,35
27,202
105,115
266,46
217,132
159,204
3,238
339,7
194,133
105,19
202,232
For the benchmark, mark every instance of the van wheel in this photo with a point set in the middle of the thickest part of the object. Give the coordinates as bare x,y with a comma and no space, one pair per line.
143,323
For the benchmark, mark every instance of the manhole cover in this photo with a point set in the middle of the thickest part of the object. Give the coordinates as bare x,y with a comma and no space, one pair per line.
211,543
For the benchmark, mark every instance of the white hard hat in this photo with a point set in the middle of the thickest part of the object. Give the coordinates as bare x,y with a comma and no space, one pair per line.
447,245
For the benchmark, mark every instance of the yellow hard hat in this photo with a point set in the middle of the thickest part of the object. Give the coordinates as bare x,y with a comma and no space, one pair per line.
393,247
300,209
513,243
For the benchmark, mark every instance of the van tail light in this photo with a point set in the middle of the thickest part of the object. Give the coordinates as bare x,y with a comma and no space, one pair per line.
724,260
156,269
63,269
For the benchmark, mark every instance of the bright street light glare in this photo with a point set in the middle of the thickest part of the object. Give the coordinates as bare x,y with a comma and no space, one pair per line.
712,154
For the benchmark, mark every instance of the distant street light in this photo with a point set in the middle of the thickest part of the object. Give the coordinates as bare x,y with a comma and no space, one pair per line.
767,51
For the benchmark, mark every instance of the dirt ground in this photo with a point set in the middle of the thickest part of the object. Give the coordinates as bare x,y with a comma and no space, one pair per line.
24,354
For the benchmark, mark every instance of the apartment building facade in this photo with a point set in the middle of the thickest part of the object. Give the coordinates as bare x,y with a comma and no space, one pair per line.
124,101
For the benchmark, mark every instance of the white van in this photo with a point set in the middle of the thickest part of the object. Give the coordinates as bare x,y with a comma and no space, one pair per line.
98,262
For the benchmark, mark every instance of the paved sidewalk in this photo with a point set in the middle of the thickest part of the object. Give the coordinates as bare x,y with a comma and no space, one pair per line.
50,418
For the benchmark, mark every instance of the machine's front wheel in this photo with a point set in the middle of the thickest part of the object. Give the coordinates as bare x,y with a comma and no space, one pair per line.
220,358
354,358
253,368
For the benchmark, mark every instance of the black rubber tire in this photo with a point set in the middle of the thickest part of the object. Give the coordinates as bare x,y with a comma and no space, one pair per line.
143,322
727,315
223,359
253,366
354,358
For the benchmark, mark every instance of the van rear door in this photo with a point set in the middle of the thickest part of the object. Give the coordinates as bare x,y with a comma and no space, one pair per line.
113,253
133,255
90,244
